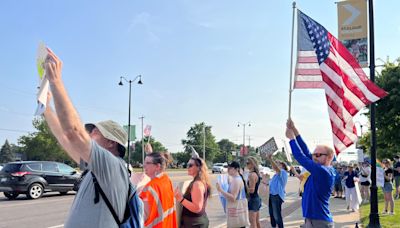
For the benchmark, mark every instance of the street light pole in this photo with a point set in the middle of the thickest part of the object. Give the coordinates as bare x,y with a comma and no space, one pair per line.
204,142
142,117
129,111
244,135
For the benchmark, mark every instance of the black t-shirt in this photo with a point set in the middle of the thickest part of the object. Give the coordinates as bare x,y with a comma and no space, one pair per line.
396,165
389,170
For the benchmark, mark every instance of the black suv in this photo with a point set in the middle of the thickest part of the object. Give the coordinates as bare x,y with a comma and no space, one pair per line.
33,178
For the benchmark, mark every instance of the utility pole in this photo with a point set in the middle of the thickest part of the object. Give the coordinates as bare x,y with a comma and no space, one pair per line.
204,142
142,117
244,135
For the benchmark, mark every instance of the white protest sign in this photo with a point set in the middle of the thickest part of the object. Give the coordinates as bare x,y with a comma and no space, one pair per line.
268,147
287,153
360,155
44,85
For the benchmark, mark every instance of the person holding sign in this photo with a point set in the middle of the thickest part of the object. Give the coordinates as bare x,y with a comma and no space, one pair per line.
319,186
277,191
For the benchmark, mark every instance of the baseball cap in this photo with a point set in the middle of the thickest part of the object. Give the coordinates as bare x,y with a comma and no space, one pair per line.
234,165
111,131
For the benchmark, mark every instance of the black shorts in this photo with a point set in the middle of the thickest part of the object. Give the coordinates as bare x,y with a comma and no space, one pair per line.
365,183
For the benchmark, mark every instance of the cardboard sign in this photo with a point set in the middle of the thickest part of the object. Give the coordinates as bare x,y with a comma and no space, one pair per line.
268,147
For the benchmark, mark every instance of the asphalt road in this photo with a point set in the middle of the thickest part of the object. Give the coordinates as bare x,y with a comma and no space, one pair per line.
51,210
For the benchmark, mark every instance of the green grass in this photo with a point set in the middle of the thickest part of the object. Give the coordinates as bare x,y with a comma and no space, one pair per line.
385,220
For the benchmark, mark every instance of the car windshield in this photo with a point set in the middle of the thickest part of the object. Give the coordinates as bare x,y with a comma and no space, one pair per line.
11,168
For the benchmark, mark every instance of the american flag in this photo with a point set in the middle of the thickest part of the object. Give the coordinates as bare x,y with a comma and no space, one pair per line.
147,131
324,62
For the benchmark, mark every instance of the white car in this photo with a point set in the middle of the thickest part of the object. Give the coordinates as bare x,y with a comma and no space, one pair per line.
266,170
220,168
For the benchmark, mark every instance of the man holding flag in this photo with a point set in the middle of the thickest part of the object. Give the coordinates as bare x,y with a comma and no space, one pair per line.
319,185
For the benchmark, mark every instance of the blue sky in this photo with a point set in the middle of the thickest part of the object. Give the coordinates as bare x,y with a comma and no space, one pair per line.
214,61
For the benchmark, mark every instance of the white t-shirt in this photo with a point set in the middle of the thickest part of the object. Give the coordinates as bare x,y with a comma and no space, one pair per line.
366,171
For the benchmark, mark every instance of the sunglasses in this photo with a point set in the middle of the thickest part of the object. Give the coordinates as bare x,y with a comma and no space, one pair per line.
190,165
319,154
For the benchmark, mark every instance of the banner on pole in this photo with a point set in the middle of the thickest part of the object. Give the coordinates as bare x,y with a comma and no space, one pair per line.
353,28
133,132
268,147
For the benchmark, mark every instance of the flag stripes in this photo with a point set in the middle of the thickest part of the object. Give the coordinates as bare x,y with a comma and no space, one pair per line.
324,62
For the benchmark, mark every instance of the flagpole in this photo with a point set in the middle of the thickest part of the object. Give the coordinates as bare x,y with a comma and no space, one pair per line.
373,216
291,61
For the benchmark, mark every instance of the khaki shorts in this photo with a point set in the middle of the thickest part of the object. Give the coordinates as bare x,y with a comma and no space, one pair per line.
313,223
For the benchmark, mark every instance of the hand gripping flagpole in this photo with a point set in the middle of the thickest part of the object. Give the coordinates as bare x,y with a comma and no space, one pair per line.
291,61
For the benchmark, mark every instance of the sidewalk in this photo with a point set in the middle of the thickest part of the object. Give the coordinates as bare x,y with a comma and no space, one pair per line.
293,215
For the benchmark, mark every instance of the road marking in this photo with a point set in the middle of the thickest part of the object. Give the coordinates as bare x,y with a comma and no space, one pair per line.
62,225
34,202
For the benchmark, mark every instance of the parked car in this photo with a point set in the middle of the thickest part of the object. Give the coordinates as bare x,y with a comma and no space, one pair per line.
266,170
33,178
298,170
220,168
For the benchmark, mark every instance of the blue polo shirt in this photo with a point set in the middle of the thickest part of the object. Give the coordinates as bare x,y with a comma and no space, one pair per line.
278,183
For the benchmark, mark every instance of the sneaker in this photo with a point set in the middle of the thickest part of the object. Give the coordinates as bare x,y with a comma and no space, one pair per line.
384,213
391,213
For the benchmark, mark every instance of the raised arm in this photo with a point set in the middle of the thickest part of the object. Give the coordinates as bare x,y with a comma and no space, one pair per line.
273,164
65,123
234,188
300,141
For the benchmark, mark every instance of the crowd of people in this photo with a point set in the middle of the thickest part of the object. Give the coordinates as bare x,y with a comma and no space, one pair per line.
102,146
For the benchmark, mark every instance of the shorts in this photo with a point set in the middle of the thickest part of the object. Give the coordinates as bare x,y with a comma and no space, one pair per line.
338,187
254,204
387,187
365,183
314,223
397,181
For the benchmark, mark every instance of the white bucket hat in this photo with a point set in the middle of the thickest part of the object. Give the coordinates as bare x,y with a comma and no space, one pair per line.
111,131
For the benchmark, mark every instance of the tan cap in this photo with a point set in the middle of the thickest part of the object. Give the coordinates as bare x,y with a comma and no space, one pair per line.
111,131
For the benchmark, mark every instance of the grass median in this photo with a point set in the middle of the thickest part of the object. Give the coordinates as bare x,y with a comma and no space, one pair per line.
385,220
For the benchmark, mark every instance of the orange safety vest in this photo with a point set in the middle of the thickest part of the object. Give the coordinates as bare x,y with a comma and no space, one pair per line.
159,195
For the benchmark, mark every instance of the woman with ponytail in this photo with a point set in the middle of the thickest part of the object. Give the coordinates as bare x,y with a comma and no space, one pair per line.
237,186
194,201
158,194
254,199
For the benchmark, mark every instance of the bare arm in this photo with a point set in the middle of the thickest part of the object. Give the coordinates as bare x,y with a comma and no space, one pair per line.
65,125
197,193
274,165
235,188
253,178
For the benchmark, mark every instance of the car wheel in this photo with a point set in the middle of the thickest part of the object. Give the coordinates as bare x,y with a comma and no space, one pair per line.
11,195
213,172
35,191
63,193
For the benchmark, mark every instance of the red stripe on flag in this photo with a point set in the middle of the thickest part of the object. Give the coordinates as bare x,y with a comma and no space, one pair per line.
300,71
340,135
348,105
348,82
308,85
349,58
307,59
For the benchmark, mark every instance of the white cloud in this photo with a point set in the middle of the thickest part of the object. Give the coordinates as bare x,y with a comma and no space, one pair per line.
143,21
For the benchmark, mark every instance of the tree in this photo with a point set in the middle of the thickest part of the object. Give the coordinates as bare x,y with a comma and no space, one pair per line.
136,152
387,117
42,145
225,150
181,158
195,138
6,153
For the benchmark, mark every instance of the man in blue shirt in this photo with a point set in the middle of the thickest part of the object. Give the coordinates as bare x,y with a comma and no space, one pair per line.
277,191
319,186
